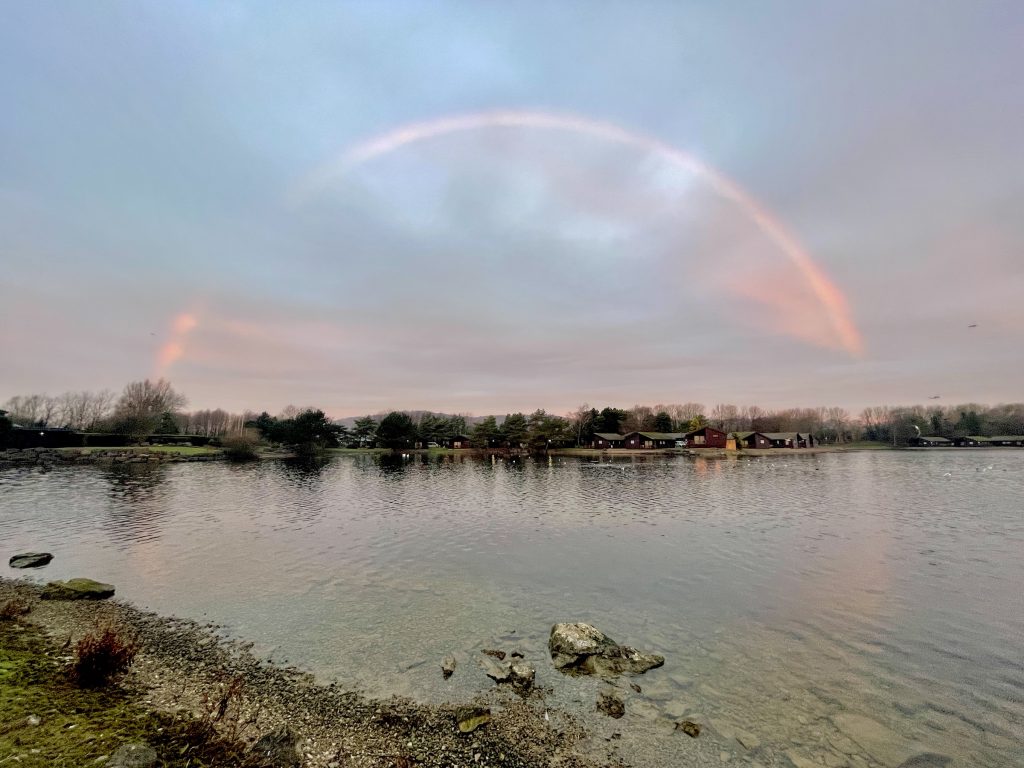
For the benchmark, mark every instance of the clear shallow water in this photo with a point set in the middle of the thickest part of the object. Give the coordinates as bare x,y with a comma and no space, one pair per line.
784,591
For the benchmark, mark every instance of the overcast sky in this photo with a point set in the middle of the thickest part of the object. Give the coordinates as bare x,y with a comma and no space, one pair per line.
186,190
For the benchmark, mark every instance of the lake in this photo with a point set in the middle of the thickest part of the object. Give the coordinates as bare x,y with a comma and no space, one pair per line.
845,608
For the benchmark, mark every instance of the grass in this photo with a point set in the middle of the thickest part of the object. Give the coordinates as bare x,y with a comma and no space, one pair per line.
78,726
184,450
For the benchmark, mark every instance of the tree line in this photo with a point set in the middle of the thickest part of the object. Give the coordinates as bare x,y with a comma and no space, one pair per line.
155,408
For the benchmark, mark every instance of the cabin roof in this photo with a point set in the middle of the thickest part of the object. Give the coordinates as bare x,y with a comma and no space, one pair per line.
610,436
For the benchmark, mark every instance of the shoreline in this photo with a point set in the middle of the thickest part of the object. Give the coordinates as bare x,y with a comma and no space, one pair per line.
336,727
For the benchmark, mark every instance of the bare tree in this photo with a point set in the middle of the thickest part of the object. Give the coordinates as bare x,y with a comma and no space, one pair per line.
143,403
84,410
726,417
639,418
36,410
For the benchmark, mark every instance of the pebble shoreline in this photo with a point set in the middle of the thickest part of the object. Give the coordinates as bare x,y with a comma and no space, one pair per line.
183,665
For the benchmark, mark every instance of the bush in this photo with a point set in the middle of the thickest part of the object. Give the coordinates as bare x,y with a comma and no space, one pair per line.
241,446
12,609
101,656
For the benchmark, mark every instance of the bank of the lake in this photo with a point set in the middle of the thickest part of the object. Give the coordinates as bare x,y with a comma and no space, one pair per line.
180,677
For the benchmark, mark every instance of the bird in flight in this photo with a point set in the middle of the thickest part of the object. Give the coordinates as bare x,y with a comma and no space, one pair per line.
973,325
935,397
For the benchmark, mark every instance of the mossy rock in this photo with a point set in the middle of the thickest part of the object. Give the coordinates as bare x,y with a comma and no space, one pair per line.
471,718
77,589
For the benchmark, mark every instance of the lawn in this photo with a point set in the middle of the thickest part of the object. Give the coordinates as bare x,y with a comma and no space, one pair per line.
184,450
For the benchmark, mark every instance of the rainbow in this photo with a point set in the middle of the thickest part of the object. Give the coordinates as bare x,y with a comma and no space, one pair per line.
833,302
174,348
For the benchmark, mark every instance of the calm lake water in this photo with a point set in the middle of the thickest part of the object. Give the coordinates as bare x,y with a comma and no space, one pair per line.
793,596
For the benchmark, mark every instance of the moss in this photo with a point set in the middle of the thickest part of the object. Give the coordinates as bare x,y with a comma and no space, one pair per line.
78,726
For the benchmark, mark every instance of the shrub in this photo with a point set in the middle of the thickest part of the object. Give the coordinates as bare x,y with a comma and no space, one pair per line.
12,609
240,446
102,655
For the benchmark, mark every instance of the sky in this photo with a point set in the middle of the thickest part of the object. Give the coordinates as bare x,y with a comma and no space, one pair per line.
491,207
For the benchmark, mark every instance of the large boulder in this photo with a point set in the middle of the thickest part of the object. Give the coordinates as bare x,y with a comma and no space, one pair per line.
30,560
77,589
584,649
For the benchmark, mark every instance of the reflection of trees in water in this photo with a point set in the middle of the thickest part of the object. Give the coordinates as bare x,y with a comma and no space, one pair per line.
304,471
394,464
137,503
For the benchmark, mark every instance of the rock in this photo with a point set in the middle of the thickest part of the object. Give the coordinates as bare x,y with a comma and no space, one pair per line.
689,727
133,756
675,709
522,675
77,589
636,687
471,718
498,671
33,720
644,709
799,761
448,666
585,649
282,748
887,747
746,739
609,703
499,655
926,760
30,560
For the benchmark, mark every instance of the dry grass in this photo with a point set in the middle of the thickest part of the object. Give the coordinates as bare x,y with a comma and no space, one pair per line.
14,609
102,656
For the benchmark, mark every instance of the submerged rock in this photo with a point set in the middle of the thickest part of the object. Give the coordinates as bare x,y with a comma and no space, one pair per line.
133,756
77,589
30,560
689,727
499,655
582,648
471,718
281,748
887,747
498,671
448,666
926,760
609,703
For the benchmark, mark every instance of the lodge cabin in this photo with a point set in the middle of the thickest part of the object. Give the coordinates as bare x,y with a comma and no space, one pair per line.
968,442
650,440
998,441
933,441
706,437
790,439
750,440
458,441
606,440
1005,440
